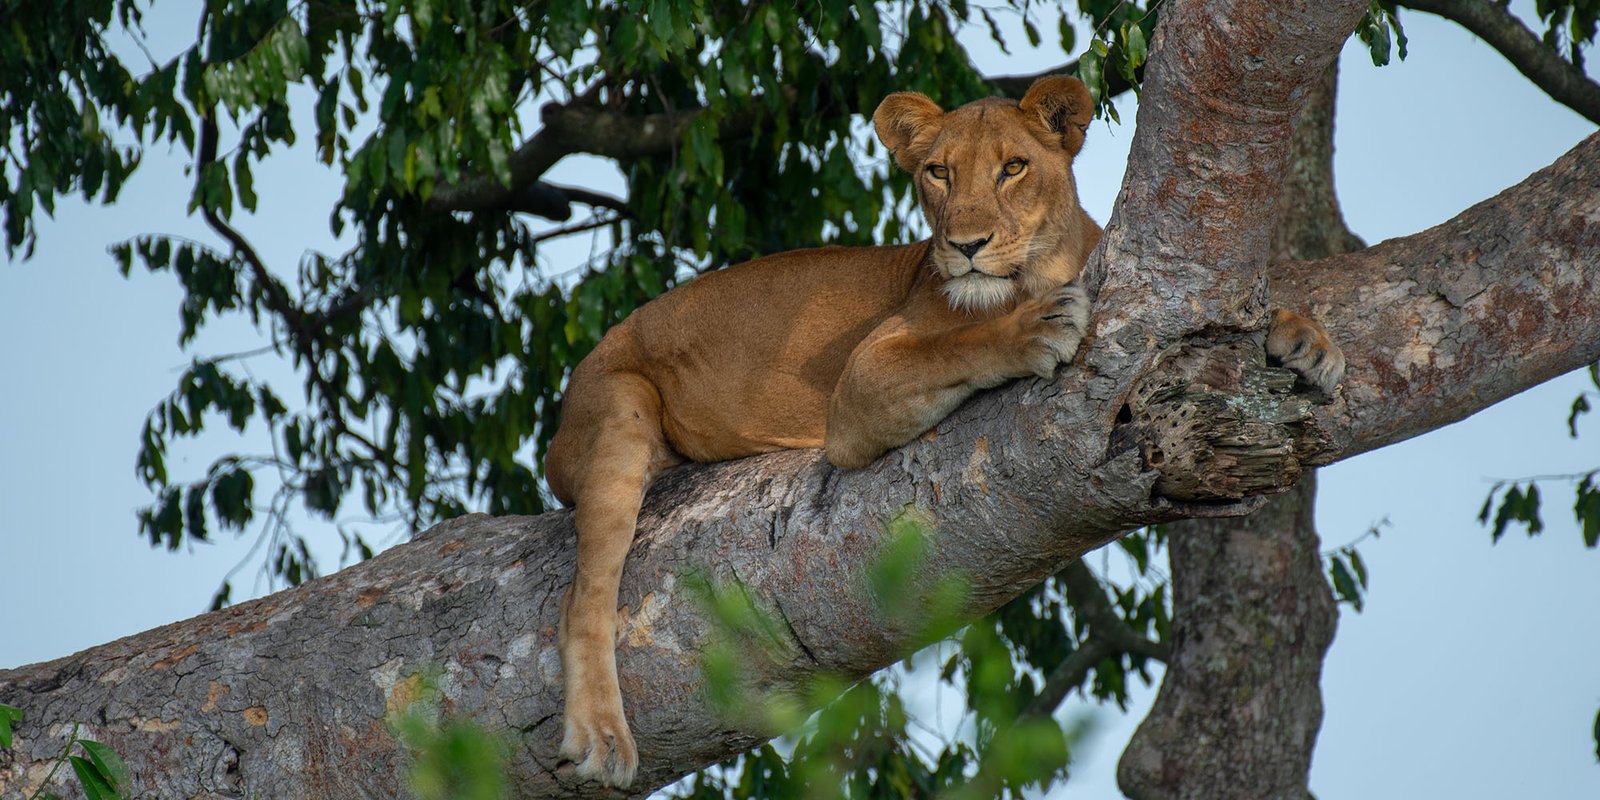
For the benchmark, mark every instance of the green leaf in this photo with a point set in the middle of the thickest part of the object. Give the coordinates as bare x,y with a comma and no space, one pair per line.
1137,50
994,30
96,786
1091,70
9,715
1587,510
245,182
1344,585
107,762
1378,44
1399,32
1580,406
1488,505
1358,565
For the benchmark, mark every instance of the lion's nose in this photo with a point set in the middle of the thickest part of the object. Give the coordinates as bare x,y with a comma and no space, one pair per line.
970,249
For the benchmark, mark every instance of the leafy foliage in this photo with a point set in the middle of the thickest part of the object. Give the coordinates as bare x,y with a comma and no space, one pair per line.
449,758
1519,501
1380,30
1347,571
1570,25
9,716
100,772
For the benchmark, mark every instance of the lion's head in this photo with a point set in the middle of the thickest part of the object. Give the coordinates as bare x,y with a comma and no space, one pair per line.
995,181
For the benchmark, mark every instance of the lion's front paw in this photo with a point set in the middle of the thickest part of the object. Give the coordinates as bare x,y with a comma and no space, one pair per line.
1054,326
1302,345
597,739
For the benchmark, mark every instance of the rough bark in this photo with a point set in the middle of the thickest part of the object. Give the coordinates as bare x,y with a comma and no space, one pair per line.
1240,704
286,696
1463,315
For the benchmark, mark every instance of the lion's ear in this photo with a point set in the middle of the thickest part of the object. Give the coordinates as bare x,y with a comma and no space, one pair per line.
907,123
1063,105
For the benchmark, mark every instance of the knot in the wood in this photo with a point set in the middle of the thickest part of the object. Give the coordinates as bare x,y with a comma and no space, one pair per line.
1220,425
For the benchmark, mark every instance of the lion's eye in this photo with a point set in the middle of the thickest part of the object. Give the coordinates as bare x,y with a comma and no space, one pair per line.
939,171
1015,166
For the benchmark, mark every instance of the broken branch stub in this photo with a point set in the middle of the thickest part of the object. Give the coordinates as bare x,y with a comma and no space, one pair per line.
1220,425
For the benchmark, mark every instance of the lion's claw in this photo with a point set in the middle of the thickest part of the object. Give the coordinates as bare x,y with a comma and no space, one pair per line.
599,743
1303,345
1057,329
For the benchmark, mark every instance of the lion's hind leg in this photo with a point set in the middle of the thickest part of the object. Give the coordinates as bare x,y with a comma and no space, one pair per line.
607,452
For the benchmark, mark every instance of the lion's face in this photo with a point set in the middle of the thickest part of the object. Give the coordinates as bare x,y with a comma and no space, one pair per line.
995,181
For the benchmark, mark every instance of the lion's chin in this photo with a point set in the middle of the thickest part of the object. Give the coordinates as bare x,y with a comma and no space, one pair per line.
977,292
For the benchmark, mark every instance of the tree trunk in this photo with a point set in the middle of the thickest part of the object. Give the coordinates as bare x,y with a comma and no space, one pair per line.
286,696
1240,705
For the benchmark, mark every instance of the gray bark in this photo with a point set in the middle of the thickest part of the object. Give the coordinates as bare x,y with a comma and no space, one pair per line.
1241,703
286,696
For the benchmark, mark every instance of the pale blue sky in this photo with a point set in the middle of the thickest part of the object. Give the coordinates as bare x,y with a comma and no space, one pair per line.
1470,675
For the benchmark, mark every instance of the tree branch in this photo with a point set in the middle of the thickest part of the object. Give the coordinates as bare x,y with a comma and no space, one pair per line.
1240,703
1109,635
581,127
555,202
1499,28
1015,86
568,230
217,702
584,127
296,323
1460,316
1015,485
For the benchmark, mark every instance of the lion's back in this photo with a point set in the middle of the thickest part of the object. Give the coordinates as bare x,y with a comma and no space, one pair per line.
745,358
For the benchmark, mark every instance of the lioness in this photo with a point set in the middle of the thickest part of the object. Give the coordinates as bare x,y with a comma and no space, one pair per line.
855,350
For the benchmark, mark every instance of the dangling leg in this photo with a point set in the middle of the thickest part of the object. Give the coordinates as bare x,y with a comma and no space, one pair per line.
606,453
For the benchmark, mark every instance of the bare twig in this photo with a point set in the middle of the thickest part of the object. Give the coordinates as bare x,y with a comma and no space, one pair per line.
1109,635
568,230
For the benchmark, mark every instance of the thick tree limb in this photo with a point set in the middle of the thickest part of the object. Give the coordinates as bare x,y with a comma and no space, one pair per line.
286,696
1465,314
1252,617
1216,116
1497,26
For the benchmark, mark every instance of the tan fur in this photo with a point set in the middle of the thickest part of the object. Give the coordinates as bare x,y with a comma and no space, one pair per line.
857,350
